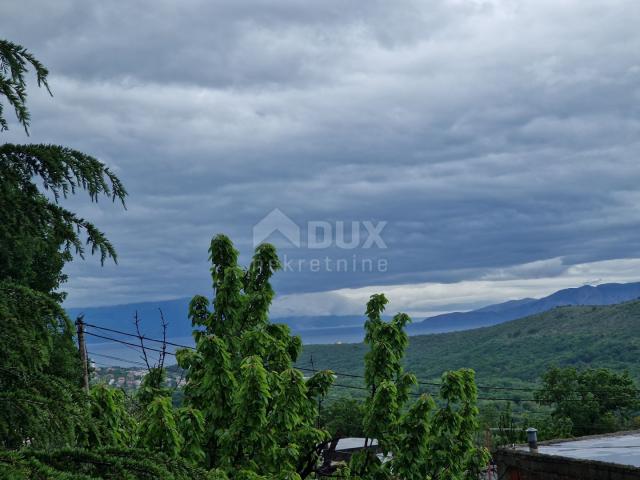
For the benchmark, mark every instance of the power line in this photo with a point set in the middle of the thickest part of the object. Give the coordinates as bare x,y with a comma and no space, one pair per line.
354,387
116,358
434,384
421,382
343,374
101,365
127,343
143,337
351,375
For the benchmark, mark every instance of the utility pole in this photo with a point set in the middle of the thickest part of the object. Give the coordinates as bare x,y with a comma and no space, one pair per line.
83,353
313,368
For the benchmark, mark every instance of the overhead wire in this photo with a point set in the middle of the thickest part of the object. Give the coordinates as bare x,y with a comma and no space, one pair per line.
340,385
338,374
111,357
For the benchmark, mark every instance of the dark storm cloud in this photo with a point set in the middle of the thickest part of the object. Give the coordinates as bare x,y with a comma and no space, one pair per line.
488,134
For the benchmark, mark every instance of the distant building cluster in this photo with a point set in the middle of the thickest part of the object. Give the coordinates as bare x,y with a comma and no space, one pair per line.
129,379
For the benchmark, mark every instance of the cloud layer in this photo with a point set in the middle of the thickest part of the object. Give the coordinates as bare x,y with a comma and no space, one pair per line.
487,134
534,280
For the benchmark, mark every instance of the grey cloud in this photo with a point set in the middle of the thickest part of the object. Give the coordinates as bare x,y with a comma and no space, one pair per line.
214,43
487,134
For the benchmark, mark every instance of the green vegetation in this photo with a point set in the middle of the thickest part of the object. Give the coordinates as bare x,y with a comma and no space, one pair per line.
247,412
424,440
519,354
45,418
260,416
515,353
40,399
588,401
259,413
14,63
343,417
88,464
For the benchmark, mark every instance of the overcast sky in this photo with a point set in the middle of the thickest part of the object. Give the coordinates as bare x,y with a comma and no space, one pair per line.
493,144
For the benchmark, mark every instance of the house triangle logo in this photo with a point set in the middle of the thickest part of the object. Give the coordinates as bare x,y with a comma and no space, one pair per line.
276,221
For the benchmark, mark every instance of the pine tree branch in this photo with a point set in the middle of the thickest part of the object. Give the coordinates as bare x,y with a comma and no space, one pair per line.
15,61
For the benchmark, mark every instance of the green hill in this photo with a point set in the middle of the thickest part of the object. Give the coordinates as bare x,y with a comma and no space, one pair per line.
516,352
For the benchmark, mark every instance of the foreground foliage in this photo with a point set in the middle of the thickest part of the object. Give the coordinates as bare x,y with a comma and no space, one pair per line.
248,414
343,417
40,400
80,464
261,415
419,439
259,412
14,63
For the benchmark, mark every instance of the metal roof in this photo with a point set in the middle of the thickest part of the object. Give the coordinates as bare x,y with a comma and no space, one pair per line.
353,442
623,448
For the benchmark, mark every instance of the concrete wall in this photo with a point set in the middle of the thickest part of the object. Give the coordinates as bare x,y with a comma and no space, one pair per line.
522,465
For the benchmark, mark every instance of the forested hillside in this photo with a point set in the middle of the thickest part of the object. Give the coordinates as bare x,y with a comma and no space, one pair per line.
515,352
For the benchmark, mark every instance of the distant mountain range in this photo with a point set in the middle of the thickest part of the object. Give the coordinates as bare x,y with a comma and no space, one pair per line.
605,294
348,328
312,329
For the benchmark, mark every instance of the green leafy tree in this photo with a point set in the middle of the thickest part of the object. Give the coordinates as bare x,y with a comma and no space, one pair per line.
190,424
110,424
158,429
41,404
259,412
153,385
418,440
96,463
38,235
148,421
343,417
588,401
249,414
176,432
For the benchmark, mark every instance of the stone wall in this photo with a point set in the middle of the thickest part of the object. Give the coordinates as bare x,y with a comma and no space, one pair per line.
523,465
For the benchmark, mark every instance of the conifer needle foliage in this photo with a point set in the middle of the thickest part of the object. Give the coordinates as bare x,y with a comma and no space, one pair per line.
41,404
38,236
15,61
